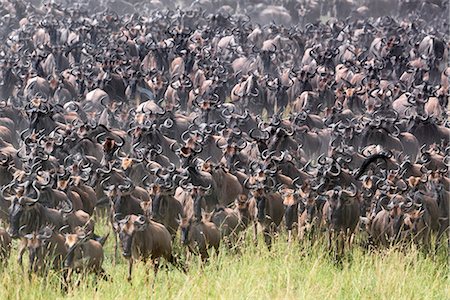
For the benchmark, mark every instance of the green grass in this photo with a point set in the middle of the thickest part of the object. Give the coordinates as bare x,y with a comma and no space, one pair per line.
286,272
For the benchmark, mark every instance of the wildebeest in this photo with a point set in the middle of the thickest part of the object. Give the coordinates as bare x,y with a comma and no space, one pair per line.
46,248
227,220
341,214
84,254
175,114
199,236
143,239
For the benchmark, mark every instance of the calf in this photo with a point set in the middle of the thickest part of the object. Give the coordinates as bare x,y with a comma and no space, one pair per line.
386,224
83,254
164,208
416,224
309,219
29,216
199,236
142,238
46,248
123,203
442,196
245,211
269,212
227,220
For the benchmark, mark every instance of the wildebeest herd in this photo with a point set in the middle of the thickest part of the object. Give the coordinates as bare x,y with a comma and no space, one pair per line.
191,125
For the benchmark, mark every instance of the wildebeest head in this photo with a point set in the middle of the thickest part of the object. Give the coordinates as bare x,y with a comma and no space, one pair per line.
338,199
127,230
72,242
242,202
260,196
37,243
156,201
115,192
311,208
20,204
40,115
290,201
185,226
413,213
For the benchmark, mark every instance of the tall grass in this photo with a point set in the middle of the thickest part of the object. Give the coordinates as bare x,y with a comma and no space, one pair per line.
286,272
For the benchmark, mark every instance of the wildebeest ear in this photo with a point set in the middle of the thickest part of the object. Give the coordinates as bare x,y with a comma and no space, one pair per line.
421,212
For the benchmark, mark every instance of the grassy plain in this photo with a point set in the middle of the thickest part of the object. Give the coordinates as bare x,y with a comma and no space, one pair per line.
287,272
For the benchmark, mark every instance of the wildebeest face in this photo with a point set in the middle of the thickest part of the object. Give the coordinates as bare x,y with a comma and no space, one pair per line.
116,197
335,203
311,210
126,239
156,203
290,205
36,244
412,219
261,205
147,207
16,211
185,226
289,216
242,203
127,230
33,246
72,241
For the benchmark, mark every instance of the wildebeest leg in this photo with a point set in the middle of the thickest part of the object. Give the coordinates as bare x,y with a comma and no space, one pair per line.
351,237
426,239
341,242
130,269
443,228
102,274
188,254
156,266
255,233
330,240
69,276
173,260
204,255
22,248
267,238
116,245
31,268
64,282
313,234
300,233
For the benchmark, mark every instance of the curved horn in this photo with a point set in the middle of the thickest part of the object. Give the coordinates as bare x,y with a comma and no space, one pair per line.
354,190
338,168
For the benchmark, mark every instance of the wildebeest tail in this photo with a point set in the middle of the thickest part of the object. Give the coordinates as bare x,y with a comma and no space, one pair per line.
369,160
